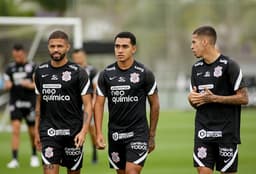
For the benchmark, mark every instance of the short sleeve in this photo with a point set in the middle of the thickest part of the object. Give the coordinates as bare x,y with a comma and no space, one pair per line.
84,82
235,75
101,87
150,83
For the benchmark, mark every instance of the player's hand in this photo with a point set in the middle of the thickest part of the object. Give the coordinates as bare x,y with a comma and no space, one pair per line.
151,144
37,141
100,143
79,139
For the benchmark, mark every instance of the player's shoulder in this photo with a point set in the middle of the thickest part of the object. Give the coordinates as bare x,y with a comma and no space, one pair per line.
110,68
74,67
44,65
198,63
141,68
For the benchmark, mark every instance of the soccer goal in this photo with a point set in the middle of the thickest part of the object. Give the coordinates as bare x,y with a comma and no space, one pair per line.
35,29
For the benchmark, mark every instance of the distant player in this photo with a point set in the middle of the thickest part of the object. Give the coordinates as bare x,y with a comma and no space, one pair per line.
18,79
79,56
217,93
62,88
127,84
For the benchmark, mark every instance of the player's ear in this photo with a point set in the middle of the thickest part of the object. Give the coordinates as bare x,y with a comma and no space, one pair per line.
134,49
68,47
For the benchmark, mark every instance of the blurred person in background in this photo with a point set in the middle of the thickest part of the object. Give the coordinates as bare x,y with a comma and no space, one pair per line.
79,56
18,79
62,89
217,93
127,84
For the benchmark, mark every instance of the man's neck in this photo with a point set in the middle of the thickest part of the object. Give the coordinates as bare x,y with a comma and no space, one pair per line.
211,56
126,64
61,63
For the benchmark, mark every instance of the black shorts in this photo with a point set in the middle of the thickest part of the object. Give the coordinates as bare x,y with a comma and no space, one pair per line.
126,147
23,113
61,150
223,155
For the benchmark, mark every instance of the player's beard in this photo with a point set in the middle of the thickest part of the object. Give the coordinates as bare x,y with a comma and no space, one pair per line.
59,58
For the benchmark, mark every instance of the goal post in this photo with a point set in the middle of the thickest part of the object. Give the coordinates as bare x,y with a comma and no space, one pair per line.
47,21
40,24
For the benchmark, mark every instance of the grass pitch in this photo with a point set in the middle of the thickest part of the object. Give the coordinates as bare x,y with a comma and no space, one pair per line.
173,153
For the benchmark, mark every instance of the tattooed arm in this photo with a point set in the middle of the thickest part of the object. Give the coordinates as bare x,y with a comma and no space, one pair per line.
80,137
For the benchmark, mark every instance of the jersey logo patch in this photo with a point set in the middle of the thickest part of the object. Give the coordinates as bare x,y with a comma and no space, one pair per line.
66,76
115,157
48,152
134,77
217,71
202,152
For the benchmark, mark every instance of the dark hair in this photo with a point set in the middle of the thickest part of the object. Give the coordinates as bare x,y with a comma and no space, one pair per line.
126,34
18,47
58,34
207,31
78,50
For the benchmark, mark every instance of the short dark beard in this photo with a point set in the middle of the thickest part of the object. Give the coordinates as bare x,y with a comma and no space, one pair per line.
58,59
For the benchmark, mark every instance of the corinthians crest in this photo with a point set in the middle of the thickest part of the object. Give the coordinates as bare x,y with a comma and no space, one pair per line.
134,77
217,71
66,76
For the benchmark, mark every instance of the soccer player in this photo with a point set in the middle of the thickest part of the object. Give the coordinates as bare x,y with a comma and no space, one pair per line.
217,93
79,56
18,79
62,88
127,84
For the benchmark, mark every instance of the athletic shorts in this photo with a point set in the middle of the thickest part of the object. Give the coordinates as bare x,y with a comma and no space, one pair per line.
61,150
125,147
23,113
210,154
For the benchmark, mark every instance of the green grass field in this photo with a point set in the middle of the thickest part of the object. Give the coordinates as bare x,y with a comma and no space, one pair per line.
173,153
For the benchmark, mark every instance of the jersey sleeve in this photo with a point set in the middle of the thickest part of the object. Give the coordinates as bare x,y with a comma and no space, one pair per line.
7,74
84,82
192,79
150,83
94,74
101,87
235,75
37,81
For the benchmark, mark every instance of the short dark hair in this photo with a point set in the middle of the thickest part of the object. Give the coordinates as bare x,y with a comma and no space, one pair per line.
207,31
78,50
18,47
58,34
126,34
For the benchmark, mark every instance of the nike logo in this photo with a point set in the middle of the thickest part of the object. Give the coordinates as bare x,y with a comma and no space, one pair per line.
44,75
225,161
140,154
198,74
112,78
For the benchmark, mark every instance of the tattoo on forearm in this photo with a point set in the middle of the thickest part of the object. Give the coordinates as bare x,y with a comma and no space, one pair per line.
48,166
85,116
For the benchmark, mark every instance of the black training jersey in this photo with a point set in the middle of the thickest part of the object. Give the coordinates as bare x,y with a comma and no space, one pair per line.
21,96
215,121
61,104
126,91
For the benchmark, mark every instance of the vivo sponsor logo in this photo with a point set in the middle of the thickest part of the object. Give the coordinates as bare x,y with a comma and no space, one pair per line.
124,87
209,134
226,152
208,86
139,145
119,136
55,86
72,151
58,132
22,104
